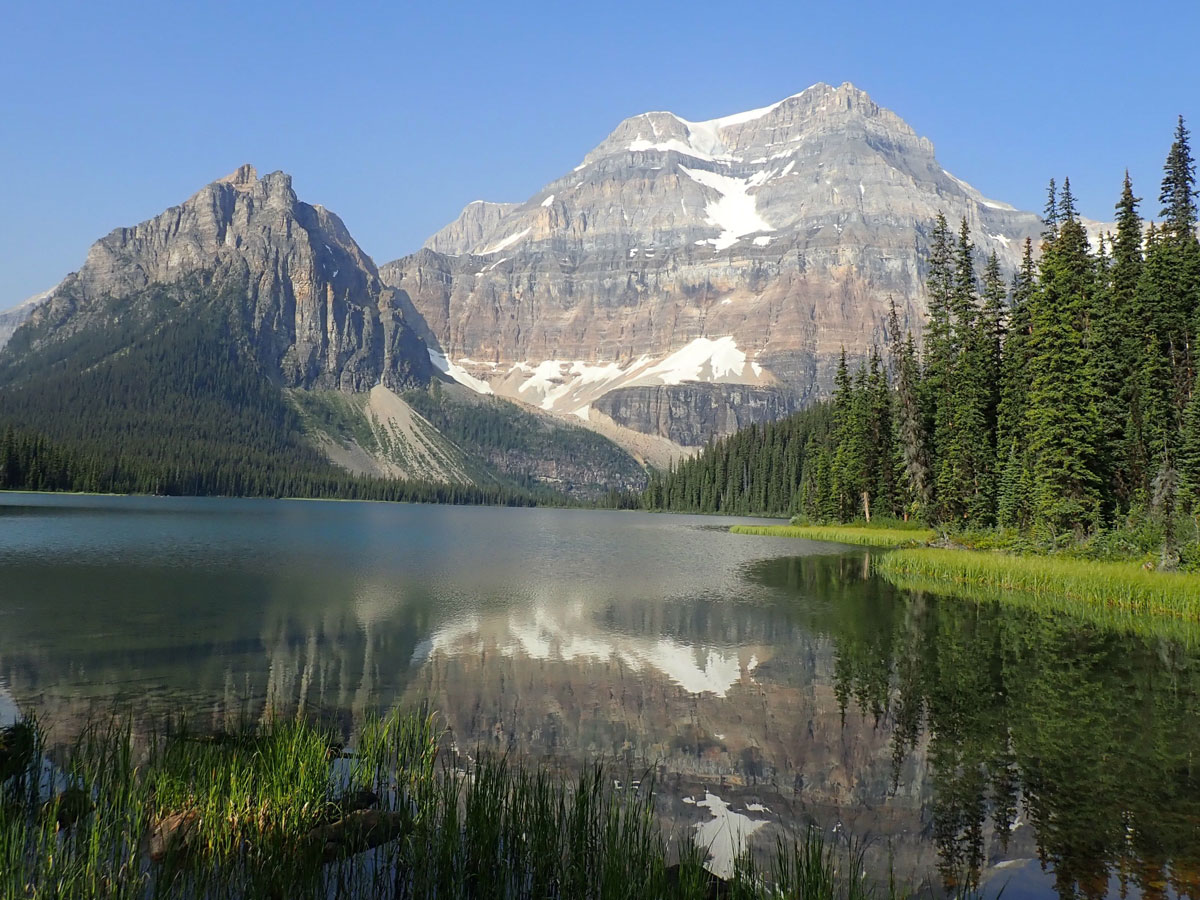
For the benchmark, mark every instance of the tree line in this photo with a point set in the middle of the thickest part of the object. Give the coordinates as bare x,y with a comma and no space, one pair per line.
164,395
1061,402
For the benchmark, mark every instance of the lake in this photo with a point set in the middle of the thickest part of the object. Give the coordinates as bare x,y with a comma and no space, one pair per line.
762,684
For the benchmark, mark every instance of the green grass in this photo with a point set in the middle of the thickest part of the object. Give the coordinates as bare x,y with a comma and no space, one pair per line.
1119,591
259,802
843,534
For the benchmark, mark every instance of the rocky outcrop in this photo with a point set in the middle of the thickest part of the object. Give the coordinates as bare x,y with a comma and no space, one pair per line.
689,414
14,318
785,230
311,300
477,220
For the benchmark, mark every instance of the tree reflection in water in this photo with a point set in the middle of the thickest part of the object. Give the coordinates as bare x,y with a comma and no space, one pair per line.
1089,735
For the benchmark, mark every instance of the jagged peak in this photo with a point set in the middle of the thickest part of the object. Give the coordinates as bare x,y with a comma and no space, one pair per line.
846,89
242,178
724,138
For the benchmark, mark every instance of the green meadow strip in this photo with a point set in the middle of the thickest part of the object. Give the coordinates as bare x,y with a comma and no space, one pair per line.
1109,591
866,537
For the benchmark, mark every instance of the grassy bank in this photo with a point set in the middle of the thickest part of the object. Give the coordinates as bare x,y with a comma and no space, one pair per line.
1122,590
283,811
843,534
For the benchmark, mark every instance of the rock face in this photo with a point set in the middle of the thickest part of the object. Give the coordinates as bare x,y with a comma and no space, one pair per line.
689,414
778,233
312,301
14,318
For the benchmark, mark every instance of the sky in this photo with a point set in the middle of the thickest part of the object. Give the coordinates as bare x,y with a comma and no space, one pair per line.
396,115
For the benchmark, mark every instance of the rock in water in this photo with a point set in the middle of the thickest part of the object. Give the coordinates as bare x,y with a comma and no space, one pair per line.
70,807
18,743
357,832
174,834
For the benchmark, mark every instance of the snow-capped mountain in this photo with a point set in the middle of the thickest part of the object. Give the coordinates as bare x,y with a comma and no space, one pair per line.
688,278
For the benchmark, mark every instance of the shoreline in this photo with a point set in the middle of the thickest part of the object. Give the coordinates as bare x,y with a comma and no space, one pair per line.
1069,584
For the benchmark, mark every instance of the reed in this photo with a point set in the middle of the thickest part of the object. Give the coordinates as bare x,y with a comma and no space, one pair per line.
262,806
844,534
1110,592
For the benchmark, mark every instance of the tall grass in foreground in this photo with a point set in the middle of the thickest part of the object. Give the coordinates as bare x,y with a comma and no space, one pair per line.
1114,593
264,813
844,534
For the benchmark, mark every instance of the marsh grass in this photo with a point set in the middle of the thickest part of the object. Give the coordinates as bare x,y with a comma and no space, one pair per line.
844,534
254,798
1110,593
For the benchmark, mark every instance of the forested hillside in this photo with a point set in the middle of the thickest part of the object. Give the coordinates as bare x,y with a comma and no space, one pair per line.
529,447
165,397
1062,403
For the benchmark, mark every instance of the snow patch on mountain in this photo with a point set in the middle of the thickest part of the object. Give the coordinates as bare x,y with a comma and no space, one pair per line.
701,360
506,242
458,373
975,195
735,212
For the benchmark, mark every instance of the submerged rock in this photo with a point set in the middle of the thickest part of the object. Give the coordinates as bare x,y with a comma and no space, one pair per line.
69,807
174,833
17,744
357,832
352,801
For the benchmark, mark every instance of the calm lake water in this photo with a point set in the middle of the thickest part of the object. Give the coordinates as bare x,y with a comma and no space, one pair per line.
766,683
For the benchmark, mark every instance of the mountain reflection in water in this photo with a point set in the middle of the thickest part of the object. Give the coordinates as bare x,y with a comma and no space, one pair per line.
761,689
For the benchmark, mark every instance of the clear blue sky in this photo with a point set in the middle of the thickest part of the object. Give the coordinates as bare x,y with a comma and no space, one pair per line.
395,115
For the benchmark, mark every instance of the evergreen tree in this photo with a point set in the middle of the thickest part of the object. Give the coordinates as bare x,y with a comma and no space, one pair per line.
1014,506
912,444
1065,433
1178,194
939,352
1123,339
1189,458
1050,214
965,464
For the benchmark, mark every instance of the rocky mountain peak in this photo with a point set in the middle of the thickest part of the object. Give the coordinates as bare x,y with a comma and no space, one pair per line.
741,252
308,293
243,177
768,130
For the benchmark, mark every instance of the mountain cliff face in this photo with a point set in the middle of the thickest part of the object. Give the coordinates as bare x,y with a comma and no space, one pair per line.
317,314
259,313
742,251
13,318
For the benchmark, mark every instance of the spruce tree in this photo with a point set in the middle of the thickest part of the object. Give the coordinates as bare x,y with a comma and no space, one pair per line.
1065,433
912,445
1189,458
1124,339
1050,214
965,487
1014,503
939,355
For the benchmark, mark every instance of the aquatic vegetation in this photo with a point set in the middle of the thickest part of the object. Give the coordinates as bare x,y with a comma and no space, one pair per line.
844,534
282,810
1071,585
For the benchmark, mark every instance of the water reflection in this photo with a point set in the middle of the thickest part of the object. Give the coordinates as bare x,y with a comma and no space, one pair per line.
763,690
1087,738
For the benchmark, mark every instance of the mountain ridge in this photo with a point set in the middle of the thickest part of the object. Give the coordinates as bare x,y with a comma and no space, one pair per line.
780,233
244,297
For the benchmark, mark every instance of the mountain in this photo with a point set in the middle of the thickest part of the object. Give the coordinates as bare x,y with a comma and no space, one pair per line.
246,328
315,312
13,318
690,278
